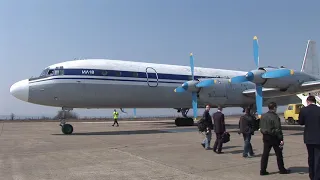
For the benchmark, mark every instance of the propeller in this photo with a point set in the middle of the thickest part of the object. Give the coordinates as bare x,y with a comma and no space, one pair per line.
258,76
185,86
134,112
194,94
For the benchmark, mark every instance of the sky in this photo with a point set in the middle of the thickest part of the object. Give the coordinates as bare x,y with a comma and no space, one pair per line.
35,34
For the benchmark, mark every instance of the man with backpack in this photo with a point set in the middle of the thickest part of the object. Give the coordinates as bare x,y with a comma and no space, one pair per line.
205,125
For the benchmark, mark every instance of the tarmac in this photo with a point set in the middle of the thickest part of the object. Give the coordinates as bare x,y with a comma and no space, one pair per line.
137,150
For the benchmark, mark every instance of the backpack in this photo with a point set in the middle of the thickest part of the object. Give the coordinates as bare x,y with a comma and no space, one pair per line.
225,137
201,125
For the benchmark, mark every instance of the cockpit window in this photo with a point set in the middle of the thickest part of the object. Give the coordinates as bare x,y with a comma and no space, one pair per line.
52,72
44,72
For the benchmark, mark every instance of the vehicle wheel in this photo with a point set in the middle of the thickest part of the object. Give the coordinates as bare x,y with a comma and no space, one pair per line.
67,129
290,121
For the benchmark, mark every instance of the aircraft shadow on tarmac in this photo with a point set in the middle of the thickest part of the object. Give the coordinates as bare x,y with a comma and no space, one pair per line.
121,132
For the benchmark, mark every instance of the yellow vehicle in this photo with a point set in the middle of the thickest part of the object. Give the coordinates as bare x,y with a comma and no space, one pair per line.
291,114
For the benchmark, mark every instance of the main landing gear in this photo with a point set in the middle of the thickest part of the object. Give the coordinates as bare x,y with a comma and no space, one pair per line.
185,120
66,128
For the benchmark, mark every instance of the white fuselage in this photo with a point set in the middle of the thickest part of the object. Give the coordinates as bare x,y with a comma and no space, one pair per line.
100,83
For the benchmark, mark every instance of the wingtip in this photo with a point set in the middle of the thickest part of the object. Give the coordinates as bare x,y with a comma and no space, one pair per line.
255,37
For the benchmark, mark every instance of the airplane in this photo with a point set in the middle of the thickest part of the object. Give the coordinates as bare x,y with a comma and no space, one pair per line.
105,83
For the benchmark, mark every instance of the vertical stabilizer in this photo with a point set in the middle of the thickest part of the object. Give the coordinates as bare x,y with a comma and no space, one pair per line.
310,65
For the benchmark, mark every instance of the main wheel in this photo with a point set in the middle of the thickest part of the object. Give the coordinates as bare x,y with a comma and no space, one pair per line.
184,122
290,121
67,129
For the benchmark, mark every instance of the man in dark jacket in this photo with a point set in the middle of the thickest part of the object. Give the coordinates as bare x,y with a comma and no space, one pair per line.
270,127
246,128
208,124
219,128
310,117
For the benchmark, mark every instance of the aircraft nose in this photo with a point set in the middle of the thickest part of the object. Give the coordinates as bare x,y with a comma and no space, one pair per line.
20,90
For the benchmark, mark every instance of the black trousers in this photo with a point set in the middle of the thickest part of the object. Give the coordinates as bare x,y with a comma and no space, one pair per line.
218,142
314,161
268,143
115,122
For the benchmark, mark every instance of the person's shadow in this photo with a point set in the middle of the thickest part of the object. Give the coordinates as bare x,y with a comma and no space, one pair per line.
299,170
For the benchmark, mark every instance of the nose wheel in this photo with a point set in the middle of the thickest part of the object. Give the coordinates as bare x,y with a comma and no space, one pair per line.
65,128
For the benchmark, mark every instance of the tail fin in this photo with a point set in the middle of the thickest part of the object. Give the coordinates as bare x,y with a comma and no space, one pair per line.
310,65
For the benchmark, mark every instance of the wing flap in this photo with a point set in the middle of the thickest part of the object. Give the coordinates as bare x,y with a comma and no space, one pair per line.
311,86
267,92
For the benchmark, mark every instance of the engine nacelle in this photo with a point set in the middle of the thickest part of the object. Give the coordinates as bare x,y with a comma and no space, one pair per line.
255,76
190,86
281,83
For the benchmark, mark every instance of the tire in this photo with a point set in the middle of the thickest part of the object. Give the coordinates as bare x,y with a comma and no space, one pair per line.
67,129
184,122
290,121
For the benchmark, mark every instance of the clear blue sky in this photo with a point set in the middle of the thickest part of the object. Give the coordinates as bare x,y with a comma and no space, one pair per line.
35,34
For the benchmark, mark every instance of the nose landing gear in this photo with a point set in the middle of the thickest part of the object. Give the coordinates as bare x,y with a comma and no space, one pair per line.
65,128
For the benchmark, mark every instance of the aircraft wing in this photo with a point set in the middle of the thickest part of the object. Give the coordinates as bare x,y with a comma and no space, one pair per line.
310,86
265,91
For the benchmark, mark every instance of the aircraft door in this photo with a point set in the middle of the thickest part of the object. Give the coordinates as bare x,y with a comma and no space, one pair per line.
152,77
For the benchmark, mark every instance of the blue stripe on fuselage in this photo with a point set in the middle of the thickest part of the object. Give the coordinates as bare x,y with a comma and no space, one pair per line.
110,74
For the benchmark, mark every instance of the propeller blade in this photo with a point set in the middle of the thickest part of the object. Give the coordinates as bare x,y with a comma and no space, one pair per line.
206,83
179,89
134,112
194,105
192,65
278,73
122,110
238,79
256,50
259,99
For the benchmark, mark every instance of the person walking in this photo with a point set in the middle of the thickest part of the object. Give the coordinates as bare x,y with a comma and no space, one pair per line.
246,123
115,118
219,128
309,116
270,127
208,125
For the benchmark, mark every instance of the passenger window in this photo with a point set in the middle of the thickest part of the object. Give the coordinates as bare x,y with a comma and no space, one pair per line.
290,108
118,73
135,74
104,73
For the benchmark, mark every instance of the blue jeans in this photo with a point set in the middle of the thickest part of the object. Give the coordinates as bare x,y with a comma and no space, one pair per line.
207,140
247,150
